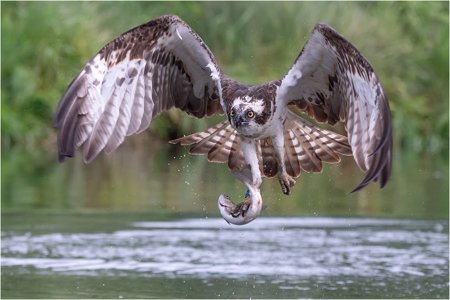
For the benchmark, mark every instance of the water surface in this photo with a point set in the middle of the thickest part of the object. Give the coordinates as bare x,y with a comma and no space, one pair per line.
144,224
270,258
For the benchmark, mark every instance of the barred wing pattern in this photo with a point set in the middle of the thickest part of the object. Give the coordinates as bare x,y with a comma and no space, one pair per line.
144,72
306,147
331,81
221,143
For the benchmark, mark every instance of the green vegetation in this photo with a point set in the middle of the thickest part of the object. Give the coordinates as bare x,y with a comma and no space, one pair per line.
45,45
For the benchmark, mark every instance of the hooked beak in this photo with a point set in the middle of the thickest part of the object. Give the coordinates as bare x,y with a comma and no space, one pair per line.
239,120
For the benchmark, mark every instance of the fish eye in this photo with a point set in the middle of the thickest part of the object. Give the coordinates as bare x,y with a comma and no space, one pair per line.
232,112
250,114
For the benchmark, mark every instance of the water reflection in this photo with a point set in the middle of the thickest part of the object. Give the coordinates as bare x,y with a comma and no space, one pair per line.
133,179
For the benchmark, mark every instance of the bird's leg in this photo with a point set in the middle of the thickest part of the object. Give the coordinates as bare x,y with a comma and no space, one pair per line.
286,181
251,158
250,175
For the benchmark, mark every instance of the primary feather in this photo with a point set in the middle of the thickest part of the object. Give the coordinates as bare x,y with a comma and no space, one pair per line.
164,63
332,81
146,71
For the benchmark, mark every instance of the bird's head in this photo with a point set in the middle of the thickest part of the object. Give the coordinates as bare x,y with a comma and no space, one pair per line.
246,112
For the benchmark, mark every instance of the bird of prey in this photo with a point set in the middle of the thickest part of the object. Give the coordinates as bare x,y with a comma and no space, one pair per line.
163,64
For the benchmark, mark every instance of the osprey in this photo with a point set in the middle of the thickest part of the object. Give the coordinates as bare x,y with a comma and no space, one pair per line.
164,63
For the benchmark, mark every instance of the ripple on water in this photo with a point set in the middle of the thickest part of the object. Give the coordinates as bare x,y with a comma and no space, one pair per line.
281,247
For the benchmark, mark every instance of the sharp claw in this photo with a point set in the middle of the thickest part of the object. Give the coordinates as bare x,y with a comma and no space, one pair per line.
286,182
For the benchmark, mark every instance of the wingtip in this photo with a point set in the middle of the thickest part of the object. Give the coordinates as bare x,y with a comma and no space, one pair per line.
56,123
383,178
358,188
62,158
89,157
174,142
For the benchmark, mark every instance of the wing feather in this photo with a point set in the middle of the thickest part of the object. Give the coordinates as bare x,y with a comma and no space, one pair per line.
220,152
333,82
138,106
291,144
221,143
236,160
306,147
309,160
142,73
123,122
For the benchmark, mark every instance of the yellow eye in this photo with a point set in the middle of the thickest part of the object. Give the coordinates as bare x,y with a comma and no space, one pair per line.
232,112
250,114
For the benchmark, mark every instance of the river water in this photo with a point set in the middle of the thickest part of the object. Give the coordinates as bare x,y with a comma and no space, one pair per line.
140,225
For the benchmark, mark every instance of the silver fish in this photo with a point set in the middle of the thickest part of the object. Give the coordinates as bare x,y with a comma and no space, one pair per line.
246,211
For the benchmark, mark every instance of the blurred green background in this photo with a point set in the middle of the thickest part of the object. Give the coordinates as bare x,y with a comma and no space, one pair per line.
46,44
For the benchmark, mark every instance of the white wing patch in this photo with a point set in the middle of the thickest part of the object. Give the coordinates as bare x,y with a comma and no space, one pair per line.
338,84
178,33
140,74
195,60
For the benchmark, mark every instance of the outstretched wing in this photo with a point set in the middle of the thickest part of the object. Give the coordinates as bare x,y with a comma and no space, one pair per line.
145,71
331,81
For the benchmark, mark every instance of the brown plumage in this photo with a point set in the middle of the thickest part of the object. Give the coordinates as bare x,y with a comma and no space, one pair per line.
338,93
136,79
164,63
221,143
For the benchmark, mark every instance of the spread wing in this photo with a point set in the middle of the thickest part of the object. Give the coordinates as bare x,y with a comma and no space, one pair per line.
331,81
142,73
